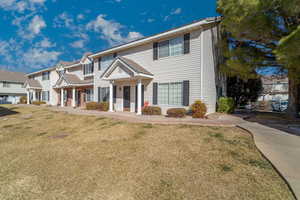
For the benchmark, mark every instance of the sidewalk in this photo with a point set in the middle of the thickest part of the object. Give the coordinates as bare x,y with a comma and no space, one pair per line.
281,148
224,121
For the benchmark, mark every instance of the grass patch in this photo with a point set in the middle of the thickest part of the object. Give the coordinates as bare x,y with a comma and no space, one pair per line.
86,157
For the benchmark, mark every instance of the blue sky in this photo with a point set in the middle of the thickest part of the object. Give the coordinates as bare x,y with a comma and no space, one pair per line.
39,33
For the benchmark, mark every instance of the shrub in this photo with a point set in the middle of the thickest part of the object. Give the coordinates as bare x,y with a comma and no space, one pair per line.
226,105
23,100
151,110
176,112
92,106
104,106
38,103
198,109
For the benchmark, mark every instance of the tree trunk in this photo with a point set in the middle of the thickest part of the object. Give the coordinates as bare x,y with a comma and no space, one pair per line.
294,98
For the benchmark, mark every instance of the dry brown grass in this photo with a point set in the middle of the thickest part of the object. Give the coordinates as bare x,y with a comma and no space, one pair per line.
51,155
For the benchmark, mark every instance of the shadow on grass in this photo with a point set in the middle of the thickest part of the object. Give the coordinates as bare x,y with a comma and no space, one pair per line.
5,111
278,121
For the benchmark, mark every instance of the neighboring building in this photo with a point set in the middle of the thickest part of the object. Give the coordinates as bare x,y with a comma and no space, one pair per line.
169,69
11,86
275,88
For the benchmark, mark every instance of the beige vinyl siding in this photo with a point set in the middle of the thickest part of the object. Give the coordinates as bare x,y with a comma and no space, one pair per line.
169,69
14,88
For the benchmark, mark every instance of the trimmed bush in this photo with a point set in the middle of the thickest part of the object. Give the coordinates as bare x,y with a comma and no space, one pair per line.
38,103
92,106
226,105
104,106
176,112
151,110
23,100
198,109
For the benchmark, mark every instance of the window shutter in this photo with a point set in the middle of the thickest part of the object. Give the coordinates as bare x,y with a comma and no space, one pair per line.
99,94
99,64
83,69
115,55
155,50
186,93
92,67
155,93
115,94
187,38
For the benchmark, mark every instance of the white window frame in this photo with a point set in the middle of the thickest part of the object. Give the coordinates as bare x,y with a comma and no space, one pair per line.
181,38
168,94
6,84
46,76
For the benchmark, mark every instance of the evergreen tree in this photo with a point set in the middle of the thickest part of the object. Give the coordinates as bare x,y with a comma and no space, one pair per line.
260,34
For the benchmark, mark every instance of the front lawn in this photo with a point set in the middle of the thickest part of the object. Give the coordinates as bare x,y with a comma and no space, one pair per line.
54,155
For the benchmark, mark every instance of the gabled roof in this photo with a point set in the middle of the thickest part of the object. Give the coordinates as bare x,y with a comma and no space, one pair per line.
135,67
132,66
72,80
182,29
16,77
31,83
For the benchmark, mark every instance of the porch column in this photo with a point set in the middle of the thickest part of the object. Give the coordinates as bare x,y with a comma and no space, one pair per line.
139,99
111,91
33,95
62,97
73,98
28,99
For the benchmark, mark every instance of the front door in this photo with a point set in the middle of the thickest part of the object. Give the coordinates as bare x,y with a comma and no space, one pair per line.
126,98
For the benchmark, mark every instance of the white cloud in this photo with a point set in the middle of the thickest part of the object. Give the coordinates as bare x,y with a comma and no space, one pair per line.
176,11
111,31
118,1
78,44
21,5
63,20
150,20
80,16
45,43
37,57
5,48
36,25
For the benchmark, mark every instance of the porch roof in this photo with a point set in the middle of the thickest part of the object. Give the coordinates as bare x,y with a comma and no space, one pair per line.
67,80
132,68
33,84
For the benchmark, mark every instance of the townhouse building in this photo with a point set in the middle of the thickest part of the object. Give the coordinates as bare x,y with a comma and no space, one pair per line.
171,69
11,87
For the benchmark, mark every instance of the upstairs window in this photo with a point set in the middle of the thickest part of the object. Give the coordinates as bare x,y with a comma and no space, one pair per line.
173,47
45,75
106,62
88,69
6,84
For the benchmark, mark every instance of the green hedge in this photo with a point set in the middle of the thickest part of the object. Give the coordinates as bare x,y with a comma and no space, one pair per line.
151,110
176,112
226,105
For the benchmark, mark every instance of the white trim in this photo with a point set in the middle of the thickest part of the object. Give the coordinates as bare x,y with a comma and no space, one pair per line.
202,64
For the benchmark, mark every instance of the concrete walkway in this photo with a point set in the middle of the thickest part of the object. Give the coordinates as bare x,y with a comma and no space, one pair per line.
224,121
281,148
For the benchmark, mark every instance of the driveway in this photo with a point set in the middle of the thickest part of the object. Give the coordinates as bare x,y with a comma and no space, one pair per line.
281,148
